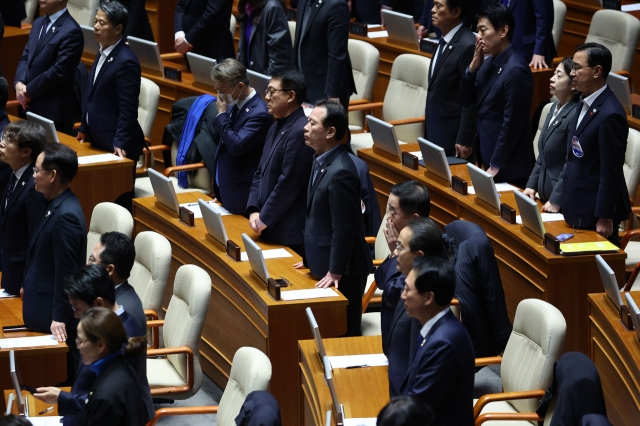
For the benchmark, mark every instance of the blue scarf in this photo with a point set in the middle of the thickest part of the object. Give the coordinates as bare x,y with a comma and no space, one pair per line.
188,132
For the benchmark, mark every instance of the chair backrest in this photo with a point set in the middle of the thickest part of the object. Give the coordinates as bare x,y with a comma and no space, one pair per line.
107,217
559,14
406,94
83,11
535,344
364,63
250,371
201,179
148,105
619,32
185,317
150,271
631,167
543,117
30,6
232,26
292,30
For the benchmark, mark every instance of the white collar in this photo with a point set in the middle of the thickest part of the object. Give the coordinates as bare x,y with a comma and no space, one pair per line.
429,324
449,36
54,17
109,49
245,100
21,171
592,97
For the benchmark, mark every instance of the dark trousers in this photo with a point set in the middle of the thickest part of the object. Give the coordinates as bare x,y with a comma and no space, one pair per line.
352,287
73,356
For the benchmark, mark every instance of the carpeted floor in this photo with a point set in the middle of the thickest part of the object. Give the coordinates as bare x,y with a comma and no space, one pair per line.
209,394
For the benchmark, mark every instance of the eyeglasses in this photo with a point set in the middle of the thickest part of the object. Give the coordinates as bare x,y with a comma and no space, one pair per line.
399,247
577,68
79,341
269,92
36,170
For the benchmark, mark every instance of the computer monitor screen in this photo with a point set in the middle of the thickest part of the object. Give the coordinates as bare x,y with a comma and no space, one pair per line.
256,259
384,136
316,333
530,214
49,126
484,187
609,281
163,190
435,160
213,222
148,54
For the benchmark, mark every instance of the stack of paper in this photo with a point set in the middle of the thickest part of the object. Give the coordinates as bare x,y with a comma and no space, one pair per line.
500,187
195,209
99,158
313,293
546,217
3,294
268,254
356,361
28,342
46,421
368,421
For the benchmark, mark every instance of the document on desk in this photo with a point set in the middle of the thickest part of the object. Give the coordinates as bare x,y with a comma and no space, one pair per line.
99,158
197,214
367,421
4,294
630,7
377,34
546,217
46,421
500,187
268,254
358,361
28,342
312,293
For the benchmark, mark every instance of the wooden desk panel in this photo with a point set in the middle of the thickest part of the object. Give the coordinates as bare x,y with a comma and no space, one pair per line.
616,353
527,270
35,405
241,313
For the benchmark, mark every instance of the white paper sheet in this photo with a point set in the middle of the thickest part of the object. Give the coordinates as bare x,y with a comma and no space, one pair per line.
546,217
378,34
46,421
371,26
312,293
500,187
197,213
630,7
268,254
99,158
356,361
4,294
28,342
417,154
368,421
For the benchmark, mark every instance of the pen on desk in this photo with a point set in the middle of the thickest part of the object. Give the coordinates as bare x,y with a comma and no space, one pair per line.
356,366
45,411
192,204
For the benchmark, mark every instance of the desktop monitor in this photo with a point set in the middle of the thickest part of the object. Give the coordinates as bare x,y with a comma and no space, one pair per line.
164,191
256,258
609,281
619,85
49,126
435,161
17,382
316,334
201,68
258,81
337,407
147,53
530,214
634,312
213,222
91,45
384,136
401,28
484,187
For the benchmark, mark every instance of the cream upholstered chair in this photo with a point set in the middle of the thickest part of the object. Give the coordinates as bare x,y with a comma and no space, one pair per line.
364,61
30,6
543,117
179,375
631,240
83,11
404,101
535,344
559,15
250,371
292,30
107,217
232,26
619,32
148,101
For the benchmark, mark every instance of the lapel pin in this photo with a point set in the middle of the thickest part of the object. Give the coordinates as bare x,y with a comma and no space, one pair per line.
22,183
110,59
282,133
499,71
48,213
53,29
450,47
555,124
319,1
322,171
247,110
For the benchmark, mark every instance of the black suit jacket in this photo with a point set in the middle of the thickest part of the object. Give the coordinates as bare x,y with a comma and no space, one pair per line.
57,248
279,188
127,297
48,68
593,186
112,103
534,25
323,47
206,26
447,123
270,47
334,231
391,281
239,152
13,12
18,221
502,89
139,25
546,176
366,11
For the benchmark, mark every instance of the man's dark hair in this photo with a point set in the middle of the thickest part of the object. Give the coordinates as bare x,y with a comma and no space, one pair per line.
597,54
405,411
119,251
336,117
499,15
11,420
116,13
293,80
88,283
4,92
464,5
26,134
62,159
425,236
436,275
413,197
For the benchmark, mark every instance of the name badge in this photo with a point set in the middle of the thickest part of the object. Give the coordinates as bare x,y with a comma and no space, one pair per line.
576,148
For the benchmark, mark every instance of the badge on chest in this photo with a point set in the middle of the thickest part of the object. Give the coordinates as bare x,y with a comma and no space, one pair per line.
576,147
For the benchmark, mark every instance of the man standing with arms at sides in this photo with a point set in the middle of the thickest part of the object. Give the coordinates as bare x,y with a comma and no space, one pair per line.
278,197
21,204
57,248
533,38
594,193
334,247
501,87
44,80
202,27
447,124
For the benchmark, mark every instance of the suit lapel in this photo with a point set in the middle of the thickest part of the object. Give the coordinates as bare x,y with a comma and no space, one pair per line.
591,112
321,174
52,32
315,7
20,185
284,131
105,66
495,70
448,50
47,213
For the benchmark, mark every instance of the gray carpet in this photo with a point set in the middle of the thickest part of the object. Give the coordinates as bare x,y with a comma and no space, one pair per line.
209,394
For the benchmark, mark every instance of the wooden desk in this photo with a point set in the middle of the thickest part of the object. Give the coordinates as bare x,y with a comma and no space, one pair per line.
358,402
616,353
35,405
526,268
241,313
41,366
13,43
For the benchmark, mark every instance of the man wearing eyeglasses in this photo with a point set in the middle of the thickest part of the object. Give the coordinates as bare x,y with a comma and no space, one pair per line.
277,201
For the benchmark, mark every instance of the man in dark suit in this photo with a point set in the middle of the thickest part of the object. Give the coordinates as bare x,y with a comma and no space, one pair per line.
447,124
501,86
594,193
21,204
366,11
57,248
532,38
334,247
321,51
278,197
116,253
12,12
4,97
44,80
243,122
139,25
442,371
202,27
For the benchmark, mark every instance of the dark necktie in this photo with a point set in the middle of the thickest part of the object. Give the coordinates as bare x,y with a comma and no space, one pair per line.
43,29
10,187
316,168
420,342
441,46
234,111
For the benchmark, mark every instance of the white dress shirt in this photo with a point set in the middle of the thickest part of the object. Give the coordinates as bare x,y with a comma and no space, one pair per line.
586,103
447,39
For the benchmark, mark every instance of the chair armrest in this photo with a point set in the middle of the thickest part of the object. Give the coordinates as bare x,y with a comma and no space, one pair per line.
358,102
504,396
183,168
154,325
368,295
76,126
490,360
364,107
632,277
377,262
532,417
150,313
402,122
170,56
157,148
455,302
190,374
370,240
13,104
181,411
628,236
627,74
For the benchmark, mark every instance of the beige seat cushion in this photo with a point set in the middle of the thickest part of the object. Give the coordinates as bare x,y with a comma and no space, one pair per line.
370,280
160,373
633,253
502,407
371,324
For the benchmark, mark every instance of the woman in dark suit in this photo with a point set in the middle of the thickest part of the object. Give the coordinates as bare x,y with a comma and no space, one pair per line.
546,177
115,398
265,41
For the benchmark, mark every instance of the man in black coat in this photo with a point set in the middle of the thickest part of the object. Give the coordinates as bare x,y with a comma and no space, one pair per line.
139,25
334,247
12,12
202,27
